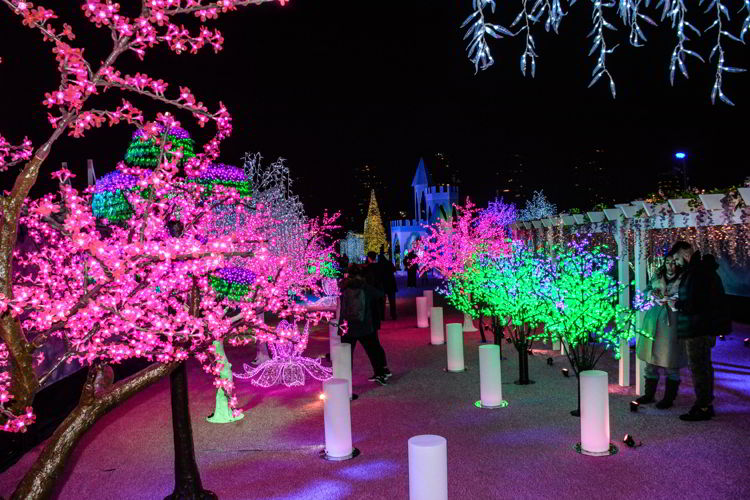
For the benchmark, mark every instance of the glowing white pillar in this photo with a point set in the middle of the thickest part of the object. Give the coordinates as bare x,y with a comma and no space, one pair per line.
333,337
337,419
556,344
594,412
490,378
469,323
427,294
422,313
428,467
563,346
623,276
455,337
341,358
437,329
641,283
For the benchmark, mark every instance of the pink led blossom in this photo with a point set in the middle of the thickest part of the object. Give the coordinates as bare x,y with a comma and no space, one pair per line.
451,245
12,154
142,288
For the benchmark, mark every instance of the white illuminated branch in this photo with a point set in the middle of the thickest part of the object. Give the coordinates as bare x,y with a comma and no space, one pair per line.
636,18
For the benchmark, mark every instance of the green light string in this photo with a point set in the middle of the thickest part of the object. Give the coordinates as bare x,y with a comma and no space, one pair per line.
232,291
146,153
244,188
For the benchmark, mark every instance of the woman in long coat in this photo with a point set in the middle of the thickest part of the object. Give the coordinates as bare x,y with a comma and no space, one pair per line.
664,352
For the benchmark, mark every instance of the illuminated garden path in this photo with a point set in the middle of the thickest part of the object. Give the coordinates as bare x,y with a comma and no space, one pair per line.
523,451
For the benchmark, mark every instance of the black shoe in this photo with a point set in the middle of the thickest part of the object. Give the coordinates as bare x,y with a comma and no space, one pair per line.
387,373
650,391
670,393
372,378
381,379
698,414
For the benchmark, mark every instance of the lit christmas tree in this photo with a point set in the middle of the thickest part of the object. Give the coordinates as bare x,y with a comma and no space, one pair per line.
374,232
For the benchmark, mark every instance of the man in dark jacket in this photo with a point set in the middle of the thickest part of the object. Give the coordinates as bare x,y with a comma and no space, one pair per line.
702,314
359,302
388,277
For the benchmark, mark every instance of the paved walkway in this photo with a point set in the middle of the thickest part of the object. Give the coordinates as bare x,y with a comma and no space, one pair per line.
523,451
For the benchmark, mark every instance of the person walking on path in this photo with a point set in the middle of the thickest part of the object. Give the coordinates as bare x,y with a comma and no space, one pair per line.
387,272
358,309
664,351
702,314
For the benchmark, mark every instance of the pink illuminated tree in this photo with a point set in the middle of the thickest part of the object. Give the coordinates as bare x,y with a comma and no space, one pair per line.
144,288
133,30
453,247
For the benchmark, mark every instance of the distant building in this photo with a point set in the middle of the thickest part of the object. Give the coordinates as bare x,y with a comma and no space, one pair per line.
587,181
431,203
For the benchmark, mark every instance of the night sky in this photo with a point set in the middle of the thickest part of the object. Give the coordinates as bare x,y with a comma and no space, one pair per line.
333,85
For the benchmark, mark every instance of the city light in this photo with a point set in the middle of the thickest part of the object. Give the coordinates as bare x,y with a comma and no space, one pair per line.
680,155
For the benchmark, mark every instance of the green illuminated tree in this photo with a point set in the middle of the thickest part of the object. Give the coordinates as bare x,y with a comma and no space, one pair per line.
505,288
582,300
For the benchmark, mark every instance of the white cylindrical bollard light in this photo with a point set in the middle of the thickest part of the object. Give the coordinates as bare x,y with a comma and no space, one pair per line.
337,420
469,323
333,338
490,379
556,344
594,413
454,334
429,296
422,313
341,358
428,467
437,329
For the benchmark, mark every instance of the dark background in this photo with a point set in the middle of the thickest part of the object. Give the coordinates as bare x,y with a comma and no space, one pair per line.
336,85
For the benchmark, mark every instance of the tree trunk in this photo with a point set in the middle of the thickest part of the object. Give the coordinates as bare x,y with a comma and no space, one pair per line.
577,412
23,378
481,328
24,382
523,364
186,475
40,481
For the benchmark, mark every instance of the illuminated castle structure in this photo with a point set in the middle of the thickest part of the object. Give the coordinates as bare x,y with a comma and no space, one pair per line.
431,203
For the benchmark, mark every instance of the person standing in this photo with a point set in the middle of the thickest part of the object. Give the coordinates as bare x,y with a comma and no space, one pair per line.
702,314
390,288
664,351
411,270
359,310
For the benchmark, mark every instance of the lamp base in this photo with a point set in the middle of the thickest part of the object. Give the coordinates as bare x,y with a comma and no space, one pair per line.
326,456
454,371
502,404
526,382
430,343
611,451
214,419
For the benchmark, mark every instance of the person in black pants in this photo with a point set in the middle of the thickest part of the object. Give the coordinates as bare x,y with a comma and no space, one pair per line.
359,308
388,278
702,314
